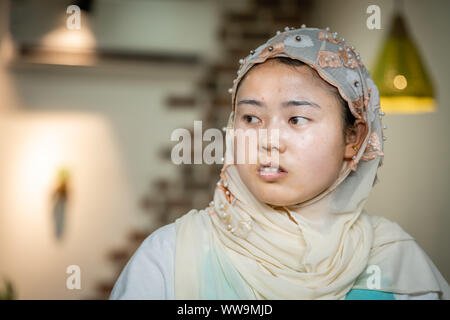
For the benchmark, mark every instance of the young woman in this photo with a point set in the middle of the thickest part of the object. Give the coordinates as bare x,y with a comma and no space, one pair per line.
293,224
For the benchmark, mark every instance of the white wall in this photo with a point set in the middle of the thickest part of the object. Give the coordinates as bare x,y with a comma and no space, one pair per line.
108,125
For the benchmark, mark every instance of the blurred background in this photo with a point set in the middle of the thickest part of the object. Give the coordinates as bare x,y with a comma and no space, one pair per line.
87,108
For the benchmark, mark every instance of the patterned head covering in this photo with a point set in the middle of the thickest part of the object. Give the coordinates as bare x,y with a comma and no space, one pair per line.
338,64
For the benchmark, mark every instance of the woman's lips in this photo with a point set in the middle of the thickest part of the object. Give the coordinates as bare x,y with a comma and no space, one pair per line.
269,172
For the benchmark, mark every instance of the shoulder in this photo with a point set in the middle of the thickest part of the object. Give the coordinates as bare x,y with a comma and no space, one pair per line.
387,231
149,272
163,237
402,265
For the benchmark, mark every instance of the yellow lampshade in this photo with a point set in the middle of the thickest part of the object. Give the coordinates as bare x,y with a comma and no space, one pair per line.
404,84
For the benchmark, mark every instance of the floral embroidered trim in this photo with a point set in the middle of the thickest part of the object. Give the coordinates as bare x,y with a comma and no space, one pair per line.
243,228
353,164
223,186
327,36
227,193
373,148
359,105
357,108
328,59
269,51
349,57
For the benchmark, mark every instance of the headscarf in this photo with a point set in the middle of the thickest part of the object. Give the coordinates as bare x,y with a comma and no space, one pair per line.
242,248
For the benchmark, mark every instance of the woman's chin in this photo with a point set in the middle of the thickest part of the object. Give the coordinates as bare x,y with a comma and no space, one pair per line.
274,197
278,203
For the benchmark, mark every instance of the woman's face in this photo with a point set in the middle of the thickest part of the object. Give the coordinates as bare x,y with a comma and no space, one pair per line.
311,145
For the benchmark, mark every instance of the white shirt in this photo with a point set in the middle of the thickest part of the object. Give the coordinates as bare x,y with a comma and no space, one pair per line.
149,274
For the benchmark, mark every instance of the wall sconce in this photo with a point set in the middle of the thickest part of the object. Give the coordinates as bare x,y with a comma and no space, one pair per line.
60,197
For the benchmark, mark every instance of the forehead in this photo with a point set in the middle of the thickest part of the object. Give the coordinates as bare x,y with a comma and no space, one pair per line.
272,74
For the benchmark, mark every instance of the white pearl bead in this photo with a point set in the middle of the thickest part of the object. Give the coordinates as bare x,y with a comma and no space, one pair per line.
230,90
211,203
303,26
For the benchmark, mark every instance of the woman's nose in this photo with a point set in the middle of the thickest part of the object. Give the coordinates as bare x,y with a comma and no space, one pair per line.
273,139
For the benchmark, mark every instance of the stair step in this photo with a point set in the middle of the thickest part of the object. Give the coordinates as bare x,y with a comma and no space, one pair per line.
104,288
119,255
176,101
138,236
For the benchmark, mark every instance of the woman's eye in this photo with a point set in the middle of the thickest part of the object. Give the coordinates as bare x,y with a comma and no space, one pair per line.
250,119
298,120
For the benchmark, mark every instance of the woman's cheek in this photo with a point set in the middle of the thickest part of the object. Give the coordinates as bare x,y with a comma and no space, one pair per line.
302,147
314,154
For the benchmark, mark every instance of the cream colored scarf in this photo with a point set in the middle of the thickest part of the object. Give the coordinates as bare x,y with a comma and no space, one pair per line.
270,256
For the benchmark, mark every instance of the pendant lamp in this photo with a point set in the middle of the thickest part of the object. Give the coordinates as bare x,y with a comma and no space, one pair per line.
400,74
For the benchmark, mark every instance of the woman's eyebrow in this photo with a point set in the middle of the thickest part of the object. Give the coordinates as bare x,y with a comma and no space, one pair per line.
252,102
291,103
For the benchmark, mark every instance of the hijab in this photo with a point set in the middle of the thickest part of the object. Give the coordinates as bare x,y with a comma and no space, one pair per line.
241,248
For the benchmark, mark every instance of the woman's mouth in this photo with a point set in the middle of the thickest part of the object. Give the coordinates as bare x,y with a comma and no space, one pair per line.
271,172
